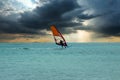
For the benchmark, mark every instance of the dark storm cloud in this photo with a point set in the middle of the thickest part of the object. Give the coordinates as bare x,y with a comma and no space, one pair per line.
62,13
9,19
110,25
43,17
105,19
40,18
9,26
67,15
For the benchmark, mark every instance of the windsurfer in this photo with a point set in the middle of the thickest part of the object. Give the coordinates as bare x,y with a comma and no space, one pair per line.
59,39
62,43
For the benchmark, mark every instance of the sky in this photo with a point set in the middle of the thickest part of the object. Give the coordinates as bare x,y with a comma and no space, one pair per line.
77,20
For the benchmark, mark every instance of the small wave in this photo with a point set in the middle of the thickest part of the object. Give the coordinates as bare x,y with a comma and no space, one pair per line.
26,48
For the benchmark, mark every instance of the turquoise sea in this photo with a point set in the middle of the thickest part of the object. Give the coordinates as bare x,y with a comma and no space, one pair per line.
46,61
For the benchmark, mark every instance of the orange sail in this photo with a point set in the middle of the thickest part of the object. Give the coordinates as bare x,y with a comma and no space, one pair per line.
57,36
55,31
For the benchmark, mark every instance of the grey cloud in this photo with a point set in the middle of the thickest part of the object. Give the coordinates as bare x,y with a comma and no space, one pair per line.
43,17
105,17
104,13
110,25
9,26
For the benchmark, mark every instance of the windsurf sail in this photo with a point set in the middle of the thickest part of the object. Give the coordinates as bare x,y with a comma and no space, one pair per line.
58,36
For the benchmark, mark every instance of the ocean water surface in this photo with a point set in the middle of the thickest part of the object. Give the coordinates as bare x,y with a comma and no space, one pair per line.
46,61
